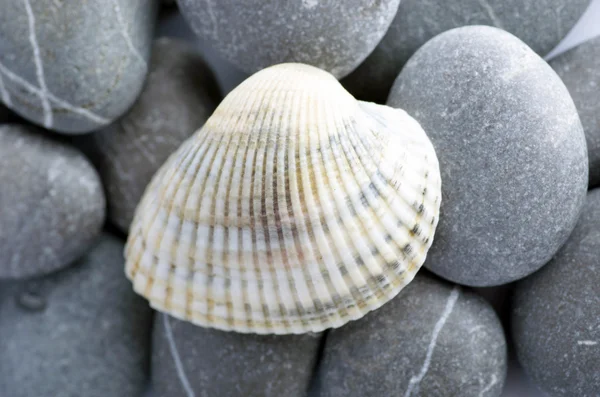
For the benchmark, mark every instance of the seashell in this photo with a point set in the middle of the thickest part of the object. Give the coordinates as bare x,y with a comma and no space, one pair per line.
295,208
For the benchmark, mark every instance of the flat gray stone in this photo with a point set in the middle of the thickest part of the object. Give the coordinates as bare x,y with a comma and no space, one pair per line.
541,24
52,206
178,97
432,340
76,66
511,149
254,34
189,360
81,332
579,69
556,314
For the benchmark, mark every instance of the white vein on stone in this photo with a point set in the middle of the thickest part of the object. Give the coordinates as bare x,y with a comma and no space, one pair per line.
33,89
178,364
489,386
416,380
490,11
4,93
587,342
39,67
125,34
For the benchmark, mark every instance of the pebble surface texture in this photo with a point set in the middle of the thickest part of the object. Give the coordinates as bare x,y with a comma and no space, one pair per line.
580,71
511,148
541,24
52,206
188,360
179,95
74,66
432,340
556,314
254,34
81,332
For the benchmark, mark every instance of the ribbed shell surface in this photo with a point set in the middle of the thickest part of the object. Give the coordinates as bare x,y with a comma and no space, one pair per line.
294,209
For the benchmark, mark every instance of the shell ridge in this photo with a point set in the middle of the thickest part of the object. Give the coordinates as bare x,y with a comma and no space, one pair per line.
225,170
334,237
349,227
240,165
269,197
328,257
365,261
411,259
149,278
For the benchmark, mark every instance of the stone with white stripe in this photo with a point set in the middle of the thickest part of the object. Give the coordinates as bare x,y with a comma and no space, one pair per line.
52,204
81,332
191,361
556,314
74,67
432,340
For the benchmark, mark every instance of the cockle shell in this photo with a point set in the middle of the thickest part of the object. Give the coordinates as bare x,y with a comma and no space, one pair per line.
295,208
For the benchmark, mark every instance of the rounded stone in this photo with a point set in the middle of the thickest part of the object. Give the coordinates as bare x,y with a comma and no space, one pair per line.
579,69
76,66
190,360
540,24
556,314
511,149
51,200
254,34
78,332
433,339
178,97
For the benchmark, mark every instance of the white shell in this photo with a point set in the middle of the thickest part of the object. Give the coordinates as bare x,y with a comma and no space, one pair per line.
295,208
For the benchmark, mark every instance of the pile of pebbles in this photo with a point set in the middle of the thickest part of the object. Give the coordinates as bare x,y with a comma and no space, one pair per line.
91,105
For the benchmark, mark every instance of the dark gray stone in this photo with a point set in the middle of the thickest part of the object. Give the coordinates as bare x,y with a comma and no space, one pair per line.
51,203
432,340
189,360
541,24
579,69
511,149
178,97
74,66
81,332
254,34
556,314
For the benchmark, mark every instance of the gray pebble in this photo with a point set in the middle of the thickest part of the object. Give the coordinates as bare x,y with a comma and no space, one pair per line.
178,97
74,66
52,206
189,360
511,149
541,24
579,69
556,314
432,340
254,34
81,332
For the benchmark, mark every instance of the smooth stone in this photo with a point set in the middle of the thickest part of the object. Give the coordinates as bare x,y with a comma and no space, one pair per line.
254,34
190,360
433,339
540,24
52,204
74,67
556,314
579,69
511,149
178,97
81,332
